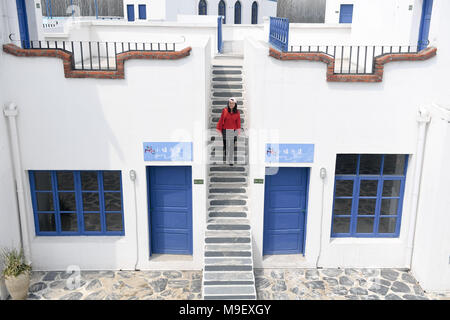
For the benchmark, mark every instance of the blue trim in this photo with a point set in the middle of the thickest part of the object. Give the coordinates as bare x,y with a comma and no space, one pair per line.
279,33
353,215
425,21
79,204
130,12
346,13
142,8
219,34
222,10
237,12
23,23
202,8
255,12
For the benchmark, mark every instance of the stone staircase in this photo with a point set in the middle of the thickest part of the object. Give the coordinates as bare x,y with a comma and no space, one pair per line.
228,261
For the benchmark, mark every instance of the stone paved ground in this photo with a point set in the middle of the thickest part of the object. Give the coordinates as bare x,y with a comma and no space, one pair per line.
339,284
292,284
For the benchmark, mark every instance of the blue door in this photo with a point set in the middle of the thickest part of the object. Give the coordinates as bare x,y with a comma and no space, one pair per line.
285,203
130,12
170,209
23,23
142,11
425,24
346,13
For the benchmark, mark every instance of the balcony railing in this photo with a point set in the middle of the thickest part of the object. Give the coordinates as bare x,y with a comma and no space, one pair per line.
279,33
97,55
354,59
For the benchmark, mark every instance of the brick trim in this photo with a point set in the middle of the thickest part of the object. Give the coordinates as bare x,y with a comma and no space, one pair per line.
119,73
380,61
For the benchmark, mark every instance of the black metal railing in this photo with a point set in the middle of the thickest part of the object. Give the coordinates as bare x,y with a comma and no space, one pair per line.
354,59
98,55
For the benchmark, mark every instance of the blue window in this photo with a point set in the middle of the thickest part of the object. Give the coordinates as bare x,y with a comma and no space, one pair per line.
346,13
130,12
237,12
255,12
222,10
77,202
368,195
142,11
202,8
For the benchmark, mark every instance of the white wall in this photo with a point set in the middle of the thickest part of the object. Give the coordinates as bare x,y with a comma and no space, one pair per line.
103,128
156,9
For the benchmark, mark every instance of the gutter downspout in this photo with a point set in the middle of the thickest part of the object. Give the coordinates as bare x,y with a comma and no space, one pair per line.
323,175
133,178
423,119
10,111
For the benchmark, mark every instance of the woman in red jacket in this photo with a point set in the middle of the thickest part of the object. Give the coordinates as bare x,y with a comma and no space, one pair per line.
229,126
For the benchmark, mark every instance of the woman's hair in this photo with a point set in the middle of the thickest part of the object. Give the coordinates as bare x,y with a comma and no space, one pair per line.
234,109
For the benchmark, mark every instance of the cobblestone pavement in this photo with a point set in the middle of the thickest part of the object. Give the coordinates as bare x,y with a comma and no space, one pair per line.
116,285
276,284
339,284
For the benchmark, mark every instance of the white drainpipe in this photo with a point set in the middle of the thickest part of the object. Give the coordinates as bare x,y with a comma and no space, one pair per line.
423,119
11,112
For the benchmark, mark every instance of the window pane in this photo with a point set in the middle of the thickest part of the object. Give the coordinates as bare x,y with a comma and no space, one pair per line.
113,201
344,188
368,188
343,206
114,222
391,188
89,180
90,201
387,225
341,225
346,163
65,180
67,201
44,201
43,181
370,164
365,225
394,164
389,206
111,180
367,206
92,222
46,222
69,222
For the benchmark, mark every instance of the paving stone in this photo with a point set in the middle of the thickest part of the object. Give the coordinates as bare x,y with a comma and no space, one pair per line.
73,284
418,290
345,281
277,274
196,276
358,291
408,278
36,276
373,297
113,296
398,286
280,296
262,283
172,274
65,275
50,276
312,274
392,296
379,289
341,291
316,285
159,285
331,281
56,285
190,296
151,274
279,285
37,287
380,281
258,272
351,272
33,296
389,274
72,296
107,274
98,295
88,275
370,272
352,297
332,272
413,297
178,283
196,286
94,284
166,293
125,274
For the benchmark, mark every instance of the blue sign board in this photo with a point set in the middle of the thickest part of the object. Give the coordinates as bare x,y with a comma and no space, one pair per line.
167,151
289,152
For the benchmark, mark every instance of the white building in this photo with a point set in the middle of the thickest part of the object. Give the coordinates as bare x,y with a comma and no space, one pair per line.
367,185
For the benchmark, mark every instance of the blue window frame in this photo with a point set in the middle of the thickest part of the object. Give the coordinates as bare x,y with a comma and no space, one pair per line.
142,11
202,8
237,12
254,12
222,10
346,13
130,12
368,195
73,203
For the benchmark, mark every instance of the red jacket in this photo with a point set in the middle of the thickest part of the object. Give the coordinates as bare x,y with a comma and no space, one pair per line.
229,120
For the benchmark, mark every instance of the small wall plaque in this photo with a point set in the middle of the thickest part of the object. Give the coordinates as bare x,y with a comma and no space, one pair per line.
167,151
198,181
258,181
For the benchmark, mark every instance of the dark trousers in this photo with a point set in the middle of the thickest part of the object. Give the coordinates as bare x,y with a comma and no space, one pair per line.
231,144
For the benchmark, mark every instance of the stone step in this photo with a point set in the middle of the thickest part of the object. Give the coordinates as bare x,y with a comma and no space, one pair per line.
226,233
228,261
227,169
228,253
227,78
229,283
225,240
227,66
229,297
227,94
227,86
231,227
228,276
227,203
227,190
227,214
227,185
218,111
228,90
219,153
218,101
226,72
230,290
228,268
219,221
215,119
226,179
228,247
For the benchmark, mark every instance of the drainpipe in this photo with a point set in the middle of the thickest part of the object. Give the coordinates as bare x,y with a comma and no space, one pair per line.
133,178
423,119
323,175
11,112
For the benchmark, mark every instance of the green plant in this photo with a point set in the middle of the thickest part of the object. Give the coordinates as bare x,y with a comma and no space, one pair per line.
14,263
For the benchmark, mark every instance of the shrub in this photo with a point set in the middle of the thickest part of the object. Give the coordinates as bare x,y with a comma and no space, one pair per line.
14,263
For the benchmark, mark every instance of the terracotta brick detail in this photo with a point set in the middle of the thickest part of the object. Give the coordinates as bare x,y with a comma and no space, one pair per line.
376,76
119,73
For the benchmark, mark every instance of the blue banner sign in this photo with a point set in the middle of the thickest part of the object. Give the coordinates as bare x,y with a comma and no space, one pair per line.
289,152
167,151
